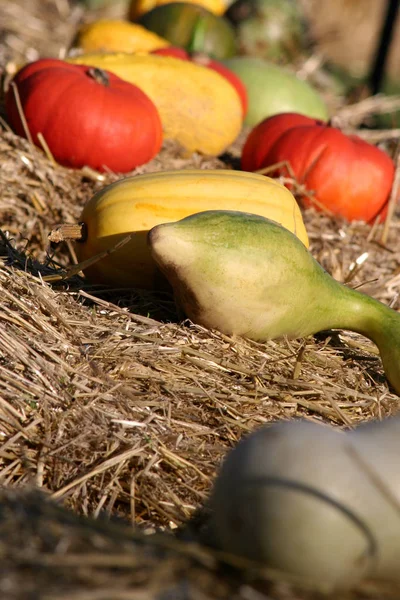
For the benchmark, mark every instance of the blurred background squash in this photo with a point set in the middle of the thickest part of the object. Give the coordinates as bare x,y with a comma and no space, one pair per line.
137,8
116,35
192,27
271,89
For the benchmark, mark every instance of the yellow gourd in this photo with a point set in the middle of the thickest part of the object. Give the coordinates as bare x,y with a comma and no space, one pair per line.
115,35
136,204
138,8
198,107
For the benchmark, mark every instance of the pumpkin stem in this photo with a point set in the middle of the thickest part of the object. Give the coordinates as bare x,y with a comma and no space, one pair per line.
68,232
99,75
200,58
334,121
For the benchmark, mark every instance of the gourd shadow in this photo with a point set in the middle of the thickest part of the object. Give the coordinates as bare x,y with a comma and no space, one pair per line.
157,304
371,364
20,260
127,275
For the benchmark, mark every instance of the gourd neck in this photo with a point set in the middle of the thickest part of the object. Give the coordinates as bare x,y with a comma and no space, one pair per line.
359,312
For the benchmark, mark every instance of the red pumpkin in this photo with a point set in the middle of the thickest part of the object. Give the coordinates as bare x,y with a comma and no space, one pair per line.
204,60
349,176
86,116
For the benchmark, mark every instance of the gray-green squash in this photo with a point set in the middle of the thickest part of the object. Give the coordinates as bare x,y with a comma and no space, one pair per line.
272,89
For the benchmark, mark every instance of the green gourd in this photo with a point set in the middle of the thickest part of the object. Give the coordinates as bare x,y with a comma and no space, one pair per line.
245,275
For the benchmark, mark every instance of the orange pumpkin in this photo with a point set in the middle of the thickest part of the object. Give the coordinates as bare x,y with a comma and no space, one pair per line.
86,116
349,176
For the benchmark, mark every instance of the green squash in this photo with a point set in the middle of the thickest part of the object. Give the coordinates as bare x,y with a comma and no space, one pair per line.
192,27
272,29
272,89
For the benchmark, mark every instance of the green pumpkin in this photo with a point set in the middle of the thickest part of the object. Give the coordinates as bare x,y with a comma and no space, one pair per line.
192,27
272,89
272,29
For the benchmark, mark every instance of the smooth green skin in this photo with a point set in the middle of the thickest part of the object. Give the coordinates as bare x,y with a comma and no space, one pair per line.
313,501
192,27
246,275
272,90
